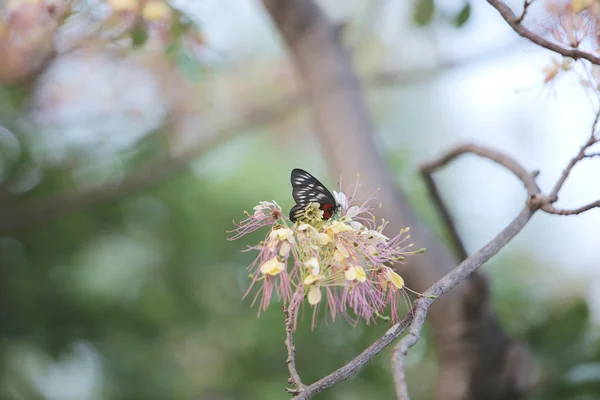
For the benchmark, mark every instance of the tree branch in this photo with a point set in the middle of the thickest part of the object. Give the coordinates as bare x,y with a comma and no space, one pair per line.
441,287
290,321
515,23
526,177
580,156
550,209
415,318
535,201
526,4
427,169
358,362
434,194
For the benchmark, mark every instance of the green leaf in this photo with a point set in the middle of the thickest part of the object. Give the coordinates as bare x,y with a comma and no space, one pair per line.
463,16
423,12
139,35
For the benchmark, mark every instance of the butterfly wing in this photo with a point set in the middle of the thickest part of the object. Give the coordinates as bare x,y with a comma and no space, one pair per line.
307,189
296,212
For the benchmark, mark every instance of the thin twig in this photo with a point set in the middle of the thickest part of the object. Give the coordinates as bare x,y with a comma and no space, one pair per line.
553,196
550,209
526,5
515,23
290,321
464,269
358,362
414,319
536,200
565,174
526,177
442,286
434,194
592,155
427,169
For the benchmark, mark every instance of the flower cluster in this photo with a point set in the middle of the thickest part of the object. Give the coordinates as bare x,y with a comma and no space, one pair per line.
574,24
339,263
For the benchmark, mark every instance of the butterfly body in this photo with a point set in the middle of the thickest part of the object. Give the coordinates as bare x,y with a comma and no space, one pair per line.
309,193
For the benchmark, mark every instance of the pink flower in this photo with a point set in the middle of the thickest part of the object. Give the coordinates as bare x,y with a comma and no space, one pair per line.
339,263
266,213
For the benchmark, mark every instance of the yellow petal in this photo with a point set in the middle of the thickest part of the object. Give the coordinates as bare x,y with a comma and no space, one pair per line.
123,5
339,226
156,10
272,267
361,275
394,278
310,279
350,274
282,233
323,238
314,295
580,5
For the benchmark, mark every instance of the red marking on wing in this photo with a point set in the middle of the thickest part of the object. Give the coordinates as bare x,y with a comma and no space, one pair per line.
327,210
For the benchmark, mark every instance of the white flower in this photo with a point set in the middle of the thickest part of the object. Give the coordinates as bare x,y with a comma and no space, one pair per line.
264,208
341,199
373,237
356,225
352,212
284,250
313,265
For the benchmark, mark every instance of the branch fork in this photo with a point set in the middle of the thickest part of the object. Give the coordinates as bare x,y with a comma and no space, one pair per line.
515,22
414,320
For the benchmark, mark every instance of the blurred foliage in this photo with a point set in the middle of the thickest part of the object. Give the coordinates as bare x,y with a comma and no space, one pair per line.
463,16
425,11
142,297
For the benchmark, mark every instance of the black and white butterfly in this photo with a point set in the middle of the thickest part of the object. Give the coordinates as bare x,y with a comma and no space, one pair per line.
307,189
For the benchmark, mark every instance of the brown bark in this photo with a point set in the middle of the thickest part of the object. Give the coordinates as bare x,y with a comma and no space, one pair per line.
477,359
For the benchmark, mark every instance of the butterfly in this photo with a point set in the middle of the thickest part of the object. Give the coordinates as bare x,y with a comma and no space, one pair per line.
307,189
